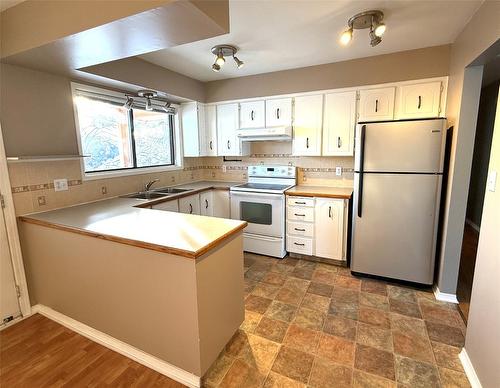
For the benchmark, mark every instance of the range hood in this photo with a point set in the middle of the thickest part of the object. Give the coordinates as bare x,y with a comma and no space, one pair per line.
260,134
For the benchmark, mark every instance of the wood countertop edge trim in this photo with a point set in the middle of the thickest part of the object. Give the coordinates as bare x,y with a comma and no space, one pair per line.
322,195
135,243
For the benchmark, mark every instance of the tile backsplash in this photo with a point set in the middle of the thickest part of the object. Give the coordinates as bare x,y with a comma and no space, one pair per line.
33,188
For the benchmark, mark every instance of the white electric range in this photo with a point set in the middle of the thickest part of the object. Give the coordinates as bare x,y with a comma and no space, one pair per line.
261,203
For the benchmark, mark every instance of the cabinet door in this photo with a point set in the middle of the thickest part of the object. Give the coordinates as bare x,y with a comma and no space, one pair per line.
376,104
171,206
209,141
192,126
252,114
221,204
339,122
207,203
190,204
308,122
419,100
329,228
227,124
279,112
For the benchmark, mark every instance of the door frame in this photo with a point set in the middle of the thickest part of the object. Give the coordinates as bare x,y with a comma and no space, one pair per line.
13,233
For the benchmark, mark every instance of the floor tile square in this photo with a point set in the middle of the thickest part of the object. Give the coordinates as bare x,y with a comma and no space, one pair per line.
348,282
275,380
281,311
404,308
302,339
374,317
316,302
375,361
374,301
235,345
445,334
302,273
310,319
340,327
374,287
374,336
341,294
447,356
242,375
418,374
311,265
271,329
344,309
297,284
218,369
436,313
320,289
325,374
408,324
255,274
366,380
451,378
413,346
274,279
401,293
336,349
324,276
257,304
281,268
265,290
294,364
251,321
259,352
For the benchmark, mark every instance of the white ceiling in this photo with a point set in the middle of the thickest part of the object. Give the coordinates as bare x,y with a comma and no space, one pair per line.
276,35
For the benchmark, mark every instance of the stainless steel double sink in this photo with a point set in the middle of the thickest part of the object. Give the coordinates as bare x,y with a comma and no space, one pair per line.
156,193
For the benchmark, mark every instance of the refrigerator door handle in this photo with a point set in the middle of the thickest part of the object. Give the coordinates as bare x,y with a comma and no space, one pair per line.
361,167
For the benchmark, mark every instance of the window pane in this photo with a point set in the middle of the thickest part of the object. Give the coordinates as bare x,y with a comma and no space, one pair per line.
104,134
153,138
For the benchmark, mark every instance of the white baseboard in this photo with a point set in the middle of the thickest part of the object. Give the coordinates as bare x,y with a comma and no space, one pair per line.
472,225
123,348
444,297
469,369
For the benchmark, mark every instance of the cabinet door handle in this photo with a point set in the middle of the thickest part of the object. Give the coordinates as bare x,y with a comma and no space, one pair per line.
300,229
278,113
296,243
376,106
252,115
307,142
330,211
419,102
228,144
190,209
206,203
299,203
211,145
339,142
300,215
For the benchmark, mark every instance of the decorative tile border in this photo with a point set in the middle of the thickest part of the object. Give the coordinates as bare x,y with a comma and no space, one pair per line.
42,186
328,169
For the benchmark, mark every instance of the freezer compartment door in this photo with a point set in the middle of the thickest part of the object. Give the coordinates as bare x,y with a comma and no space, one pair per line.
401,146
395,236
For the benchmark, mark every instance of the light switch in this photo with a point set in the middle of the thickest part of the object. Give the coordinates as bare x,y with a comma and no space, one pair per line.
224,168
60,184
338,171
492,181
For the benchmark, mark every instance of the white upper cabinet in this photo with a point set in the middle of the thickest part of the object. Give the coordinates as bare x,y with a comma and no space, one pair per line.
421,100
338,123
308,122
209,138
228,143
376,104
252,114
193,123
279,112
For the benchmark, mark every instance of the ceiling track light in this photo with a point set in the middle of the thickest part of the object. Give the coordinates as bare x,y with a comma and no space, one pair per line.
149,96
222,51
368,19
128,104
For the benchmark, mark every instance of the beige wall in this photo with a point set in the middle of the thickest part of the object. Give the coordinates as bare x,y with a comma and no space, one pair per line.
482,341
402,66
464,86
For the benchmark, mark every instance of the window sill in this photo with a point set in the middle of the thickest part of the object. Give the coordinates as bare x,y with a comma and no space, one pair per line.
123,173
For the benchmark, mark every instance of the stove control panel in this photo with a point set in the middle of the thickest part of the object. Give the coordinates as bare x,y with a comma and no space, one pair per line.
272,171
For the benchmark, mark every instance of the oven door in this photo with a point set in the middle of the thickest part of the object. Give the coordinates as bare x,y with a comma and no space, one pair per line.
265,213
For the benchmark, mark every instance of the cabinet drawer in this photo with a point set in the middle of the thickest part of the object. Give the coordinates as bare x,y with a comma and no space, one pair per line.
302,229
296,213
300,201
299,245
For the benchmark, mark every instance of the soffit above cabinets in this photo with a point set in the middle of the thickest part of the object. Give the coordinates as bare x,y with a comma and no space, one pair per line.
278,35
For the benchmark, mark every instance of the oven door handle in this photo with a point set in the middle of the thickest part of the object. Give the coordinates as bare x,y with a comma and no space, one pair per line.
255,194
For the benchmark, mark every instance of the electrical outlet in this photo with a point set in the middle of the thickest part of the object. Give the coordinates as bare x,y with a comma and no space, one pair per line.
60,184
213,175
41,200
104,190
224,168
338,171
172,179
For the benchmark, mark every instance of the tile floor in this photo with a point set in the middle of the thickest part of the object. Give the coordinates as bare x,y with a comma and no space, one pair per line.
315,325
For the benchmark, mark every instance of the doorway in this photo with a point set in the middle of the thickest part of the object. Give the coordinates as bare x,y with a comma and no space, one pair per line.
477,184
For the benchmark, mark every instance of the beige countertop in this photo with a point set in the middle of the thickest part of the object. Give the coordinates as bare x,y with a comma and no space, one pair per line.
121,220
320,191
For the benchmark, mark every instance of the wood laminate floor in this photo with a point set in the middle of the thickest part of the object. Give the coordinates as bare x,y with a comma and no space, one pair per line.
38,352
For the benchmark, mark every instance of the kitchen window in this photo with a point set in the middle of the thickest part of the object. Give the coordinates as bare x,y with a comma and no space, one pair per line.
118,141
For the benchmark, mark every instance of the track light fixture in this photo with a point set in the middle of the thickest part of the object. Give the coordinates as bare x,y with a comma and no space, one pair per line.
129,103
225,50
149,97
368,19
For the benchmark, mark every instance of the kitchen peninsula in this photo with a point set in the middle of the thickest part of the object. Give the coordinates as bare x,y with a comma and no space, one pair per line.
169,284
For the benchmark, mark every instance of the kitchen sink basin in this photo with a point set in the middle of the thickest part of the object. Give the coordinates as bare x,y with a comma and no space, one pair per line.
170,190
146,195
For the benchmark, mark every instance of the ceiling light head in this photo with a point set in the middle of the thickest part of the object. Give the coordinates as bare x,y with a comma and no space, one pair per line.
128,104
149,106
368,19
346,37
239,63
216,67
220,58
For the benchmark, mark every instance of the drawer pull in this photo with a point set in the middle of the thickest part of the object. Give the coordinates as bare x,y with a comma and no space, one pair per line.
299,215
299,203
190,209
296,243
300,229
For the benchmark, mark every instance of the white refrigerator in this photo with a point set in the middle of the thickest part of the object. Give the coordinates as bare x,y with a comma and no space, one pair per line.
398,174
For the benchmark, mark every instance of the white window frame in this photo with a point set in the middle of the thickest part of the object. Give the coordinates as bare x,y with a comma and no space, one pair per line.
87,176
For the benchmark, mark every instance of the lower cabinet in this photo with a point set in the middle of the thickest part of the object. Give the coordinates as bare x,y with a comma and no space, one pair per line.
317,227
171,206
221,203
207,203
190,204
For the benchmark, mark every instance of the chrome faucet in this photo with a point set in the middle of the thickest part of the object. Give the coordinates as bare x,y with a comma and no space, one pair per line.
148,185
